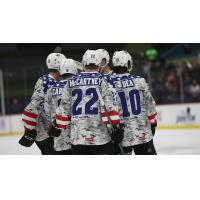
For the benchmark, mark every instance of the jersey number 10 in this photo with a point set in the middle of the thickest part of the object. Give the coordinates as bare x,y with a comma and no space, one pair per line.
135,103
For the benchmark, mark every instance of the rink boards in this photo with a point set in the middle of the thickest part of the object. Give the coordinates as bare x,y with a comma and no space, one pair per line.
174,116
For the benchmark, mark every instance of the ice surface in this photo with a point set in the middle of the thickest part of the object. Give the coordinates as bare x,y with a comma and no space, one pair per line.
168,142
178,142
9,146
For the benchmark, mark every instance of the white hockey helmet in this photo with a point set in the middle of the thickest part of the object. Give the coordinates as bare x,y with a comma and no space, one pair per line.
91,57
68,67
122,59
104,55
54,60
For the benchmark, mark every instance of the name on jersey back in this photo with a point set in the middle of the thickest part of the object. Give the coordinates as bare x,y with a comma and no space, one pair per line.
124,83
84,81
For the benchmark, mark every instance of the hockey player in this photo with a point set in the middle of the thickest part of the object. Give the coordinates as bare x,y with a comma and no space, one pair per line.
106,70
35,122
136,105
80,107
62,143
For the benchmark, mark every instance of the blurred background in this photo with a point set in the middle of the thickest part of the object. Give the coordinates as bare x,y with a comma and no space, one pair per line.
171,70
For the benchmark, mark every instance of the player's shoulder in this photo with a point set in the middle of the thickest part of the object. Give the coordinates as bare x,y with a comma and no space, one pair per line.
140,81
118,77
137,78
55,85
104,76
46,79
73,77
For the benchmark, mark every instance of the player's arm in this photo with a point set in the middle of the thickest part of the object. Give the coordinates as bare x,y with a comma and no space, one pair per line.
50,116
107,92
34,108
150,106
30,115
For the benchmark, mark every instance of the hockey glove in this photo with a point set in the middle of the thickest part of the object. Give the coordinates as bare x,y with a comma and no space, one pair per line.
118,133
53,130
28,138
153,130
153,127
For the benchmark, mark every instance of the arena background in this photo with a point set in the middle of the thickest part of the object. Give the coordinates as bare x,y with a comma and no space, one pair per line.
172,71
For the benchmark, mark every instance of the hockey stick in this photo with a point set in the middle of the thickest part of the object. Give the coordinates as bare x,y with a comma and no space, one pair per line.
109,119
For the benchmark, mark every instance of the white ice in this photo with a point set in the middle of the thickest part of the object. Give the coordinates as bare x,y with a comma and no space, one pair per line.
178,142
167,142
9,146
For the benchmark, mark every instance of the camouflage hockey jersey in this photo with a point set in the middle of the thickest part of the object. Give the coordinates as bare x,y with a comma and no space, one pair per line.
52,101
34,116
136,107
80,107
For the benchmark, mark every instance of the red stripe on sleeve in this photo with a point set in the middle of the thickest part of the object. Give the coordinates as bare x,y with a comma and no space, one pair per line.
29,122
116,121
112,113
61,126
152,116
28,114
58,117
104,114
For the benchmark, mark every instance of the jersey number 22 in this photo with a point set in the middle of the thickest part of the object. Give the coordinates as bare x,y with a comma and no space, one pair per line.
88,106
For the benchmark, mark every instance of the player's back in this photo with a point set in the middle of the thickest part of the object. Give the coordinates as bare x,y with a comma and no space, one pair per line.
135,105
54,97
87,126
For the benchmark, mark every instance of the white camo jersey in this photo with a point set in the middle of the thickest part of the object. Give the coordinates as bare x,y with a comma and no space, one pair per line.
52,101
136,107
33,115
80,107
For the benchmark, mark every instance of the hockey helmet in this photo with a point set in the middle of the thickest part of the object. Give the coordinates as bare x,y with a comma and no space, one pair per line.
54,60
91,57
68,67
122,59
104,55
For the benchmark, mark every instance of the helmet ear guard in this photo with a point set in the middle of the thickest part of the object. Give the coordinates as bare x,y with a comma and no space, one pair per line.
104,55
129,66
